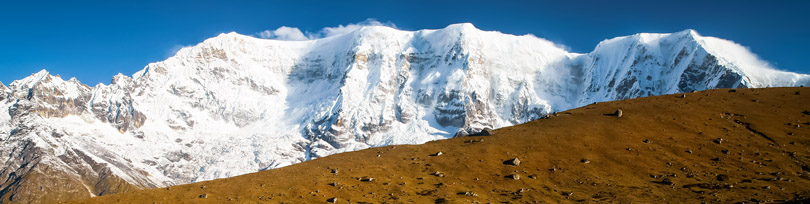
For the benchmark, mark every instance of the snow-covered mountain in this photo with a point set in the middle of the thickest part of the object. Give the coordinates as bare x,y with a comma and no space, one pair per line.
236,104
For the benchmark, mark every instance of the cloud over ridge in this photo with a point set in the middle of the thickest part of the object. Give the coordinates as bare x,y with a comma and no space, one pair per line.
295,34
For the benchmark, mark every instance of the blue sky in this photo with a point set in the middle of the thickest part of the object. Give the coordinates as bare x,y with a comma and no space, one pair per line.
94,40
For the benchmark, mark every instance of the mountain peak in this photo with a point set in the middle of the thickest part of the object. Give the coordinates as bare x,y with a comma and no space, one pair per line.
229,34
119,78
690,31
32,79
460,28
653,37
223,39
690,34
41,73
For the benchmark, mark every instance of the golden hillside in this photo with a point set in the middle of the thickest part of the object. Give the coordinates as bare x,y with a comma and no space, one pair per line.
718,146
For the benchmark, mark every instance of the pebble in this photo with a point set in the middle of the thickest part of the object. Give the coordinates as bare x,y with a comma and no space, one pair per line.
514,162
468,193
439,174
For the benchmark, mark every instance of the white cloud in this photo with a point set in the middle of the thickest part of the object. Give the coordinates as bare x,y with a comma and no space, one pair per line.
341,29
284,33
267,34
293,33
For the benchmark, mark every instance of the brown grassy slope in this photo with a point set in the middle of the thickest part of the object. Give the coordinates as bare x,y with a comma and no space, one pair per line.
763,156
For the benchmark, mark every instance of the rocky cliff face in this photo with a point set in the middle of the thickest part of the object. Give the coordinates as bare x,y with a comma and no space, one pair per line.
39,163
236,104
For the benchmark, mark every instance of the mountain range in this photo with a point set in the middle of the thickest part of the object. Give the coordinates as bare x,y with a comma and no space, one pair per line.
236,104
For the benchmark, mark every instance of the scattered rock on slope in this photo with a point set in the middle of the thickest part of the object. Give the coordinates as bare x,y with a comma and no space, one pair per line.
514,162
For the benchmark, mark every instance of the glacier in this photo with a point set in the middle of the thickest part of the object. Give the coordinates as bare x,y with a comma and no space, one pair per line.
236,104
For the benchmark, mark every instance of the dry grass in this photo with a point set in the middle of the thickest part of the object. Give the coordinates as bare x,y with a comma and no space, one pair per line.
663,149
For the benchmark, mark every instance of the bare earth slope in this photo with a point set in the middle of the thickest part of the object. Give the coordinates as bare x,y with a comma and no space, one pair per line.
719,146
